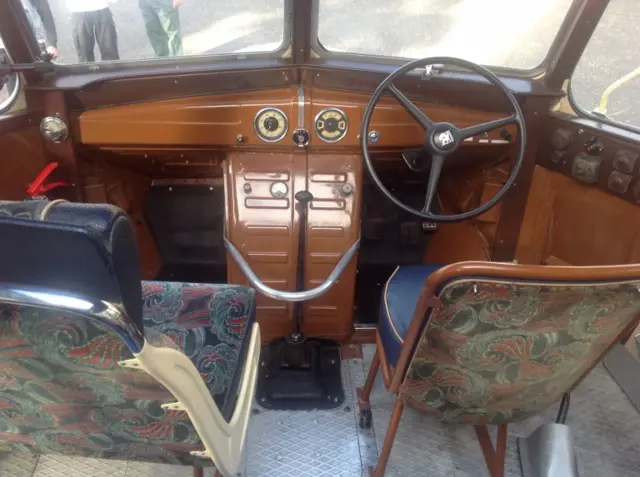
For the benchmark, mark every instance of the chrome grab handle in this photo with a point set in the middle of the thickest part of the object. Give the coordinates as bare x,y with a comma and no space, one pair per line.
287,295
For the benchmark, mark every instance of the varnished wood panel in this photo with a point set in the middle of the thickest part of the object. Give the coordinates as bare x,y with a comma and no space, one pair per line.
334,225
218,120
22,158
211,120
568,223
266,230
104,183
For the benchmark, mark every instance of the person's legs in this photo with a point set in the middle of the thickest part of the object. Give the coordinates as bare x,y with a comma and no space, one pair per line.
83,36
155,31
170,20
106,34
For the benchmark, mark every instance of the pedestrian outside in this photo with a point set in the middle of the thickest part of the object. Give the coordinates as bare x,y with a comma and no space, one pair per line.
162,22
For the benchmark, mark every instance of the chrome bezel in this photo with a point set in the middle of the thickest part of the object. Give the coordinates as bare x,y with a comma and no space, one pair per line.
261,112
339,138
61,135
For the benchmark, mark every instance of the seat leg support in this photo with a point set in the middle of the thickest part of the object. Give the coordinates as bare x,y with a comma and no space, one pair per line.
365,392
494,457
378,471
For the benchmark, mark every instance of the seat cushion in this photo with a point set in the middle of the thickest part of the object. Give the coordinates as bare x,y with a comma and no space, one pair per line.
399,300
211,324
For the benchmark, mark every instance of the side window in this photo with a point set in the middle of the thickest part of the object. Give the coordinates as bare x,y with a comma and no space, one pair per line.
87,31
9,84
606,82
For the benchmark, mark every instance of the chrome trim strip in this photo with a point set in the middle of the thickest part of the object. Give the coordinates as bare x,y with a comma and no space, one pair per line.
300,107
286,124
288,295
364,326
344,133
108,314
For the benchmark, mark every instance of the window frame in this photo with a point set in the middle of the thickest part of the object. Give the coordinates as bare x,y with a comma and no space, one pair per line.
583,113
208,62
324,54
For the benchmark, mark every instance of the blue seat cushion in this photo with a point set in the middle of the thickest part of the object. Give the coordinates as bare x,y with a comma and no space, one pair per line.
399,299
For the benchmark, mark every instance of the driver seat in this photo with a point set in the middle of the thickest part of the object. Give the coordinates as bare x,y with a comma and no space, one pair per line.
485,343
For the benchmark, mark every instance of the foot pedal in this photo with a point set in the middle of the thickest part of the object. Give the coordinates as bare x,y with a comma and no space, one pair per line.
300,376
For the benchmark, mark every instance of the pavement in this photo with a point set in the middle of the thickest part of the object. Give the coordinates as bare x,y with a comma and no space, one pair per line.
513,33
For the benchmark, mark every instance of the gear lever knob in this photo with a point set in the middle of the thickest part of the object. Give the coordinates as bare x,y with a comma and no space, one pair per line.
304,197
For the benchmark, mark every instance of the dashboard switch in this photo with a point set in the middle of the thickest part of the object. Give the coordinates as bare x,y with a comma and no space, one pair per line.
625,161
586,168
619,182
593,146
561,139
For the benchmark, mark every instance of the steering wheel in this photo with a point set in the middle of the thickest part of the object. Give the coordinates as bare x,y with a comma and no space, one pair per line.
443,139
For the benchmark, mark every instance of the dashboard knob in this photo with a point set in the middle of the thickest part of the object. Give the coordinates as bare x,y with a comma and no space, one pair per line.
561,139
373,136
347,189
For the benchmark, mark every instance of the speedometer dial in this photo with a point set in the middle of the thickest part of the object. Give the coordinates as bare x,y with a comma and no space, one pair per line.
271,124
331,125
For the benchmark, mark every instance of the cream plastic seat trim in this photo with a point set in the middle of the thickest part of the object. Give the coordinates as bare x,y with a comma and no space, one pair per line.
224,441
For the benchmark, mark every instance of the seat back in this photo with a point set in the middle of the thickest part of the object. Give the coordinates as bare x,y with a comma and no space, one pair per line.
70,311
506,341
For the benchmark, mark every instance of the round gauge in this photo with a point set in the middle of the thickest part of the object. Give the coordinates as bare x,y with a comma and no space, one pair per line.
271,124
279,189
331,125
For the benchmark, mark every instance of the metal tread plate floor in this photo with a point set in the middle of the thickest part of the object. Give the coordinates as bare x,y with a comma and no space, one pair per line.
605,425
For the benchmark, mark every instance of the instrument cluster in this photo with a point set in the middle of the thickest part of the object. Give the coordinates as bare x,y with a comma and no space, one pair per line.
271,125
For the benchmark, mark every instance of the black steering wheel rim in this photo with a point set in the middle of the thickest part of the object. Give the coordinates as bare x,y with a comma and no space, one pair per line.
517,118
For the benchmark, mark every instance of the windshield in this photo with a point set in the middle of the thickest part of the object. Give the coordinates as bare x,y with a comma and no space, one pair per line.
83,31
506,33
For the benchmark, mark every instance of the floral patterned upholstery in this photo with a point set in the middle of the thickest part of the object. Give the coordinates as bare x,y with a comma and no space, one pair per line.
501,352
62,391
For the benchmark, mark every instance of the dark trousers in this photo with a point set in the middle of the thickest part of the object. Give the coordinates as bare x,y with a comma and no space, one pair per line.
89,27
162,23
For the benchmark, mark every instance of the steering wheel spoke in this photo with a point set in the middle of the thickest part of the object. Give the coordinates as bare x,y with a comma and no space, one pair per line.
415,112
486,127
432,184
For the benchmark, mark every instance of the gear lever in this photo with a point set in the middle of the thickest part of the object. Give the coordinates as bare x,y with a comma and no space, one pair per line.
304,198
299,372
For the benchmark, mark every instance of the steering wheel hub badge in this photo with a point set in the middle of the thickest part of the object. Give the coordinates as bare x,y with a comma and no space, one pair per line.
443,139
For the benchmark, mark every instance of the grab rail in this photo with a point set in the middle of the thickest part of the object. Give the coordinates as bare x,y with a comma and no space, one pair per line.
287,295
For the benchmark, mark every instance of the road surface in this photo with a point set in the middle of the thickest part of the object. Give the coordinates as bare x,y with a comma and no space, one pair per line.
515,33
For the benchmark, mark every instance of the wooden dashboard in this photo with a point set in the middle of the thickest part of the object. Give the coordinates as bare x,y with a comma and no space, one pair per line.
228,121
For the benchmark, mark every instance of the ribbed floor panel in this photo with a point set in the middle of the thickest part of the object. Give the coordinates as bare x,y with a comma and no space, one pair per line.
605,425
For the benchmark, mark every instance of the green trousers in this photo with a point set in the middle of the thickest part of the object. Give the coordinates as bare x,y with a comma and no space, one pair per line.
162,22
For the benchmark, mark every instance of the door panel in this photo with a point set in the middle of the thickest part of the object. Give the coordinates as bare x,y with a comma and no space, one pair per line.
23,155
583,208
568,223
